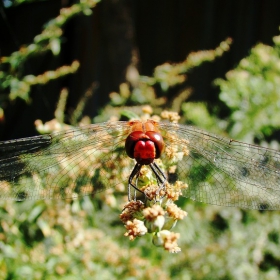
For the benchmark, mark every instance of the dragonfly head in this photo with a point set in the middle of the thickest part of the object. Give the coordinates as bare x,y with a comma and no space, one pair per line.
144,147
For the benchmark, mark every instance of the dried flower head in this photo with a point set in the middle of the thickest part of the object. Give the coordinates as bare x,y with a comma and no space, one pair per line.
168,240
152,192
157,215
175,212
151,213
131,210
174,191
135,228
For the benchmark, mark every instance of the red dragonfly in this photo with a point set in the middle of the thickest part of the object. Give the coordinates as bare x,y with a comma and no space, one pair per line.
87,160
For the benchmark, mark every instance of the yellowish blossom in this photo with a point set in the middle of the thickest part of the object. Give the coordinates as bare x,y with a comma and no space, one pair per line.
172,116
147,109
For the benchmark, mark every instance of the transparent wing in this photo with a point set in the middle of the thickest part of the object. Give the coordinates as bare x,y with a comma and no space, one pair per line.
81,161
221,171
87,160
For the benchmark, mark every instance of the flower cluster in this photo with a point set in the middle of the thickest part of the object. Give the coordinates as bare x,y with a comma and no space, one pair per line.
155,216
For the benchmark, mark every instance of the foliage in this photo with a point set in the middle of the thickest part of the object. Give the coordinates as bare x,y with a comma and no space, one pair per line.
247,242
83,239
252,93
142,90
13,81
12,3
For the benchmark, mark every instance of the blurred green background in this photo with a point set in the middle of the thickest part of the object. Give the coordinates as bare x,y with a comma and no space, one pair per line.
90,61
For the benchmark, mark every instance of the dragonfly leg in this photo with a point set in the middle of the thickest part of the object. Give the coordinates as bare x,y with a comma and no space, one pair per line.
134,174
160,176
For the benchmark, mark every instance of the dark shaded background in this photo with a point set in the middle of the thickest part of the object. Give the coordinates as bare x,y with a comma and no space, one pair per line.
157,31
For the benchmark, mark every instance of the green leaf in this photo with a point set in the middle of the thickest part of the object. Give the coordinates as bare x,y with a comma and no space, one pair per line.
129,115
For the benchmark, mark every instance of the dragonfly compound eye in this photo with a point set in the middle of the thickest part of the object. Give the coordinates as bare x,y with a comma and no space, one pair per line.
144,147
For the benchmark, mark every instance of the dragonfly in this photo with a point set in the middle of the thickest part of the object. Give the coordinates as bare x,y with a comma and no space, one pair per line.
90,159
